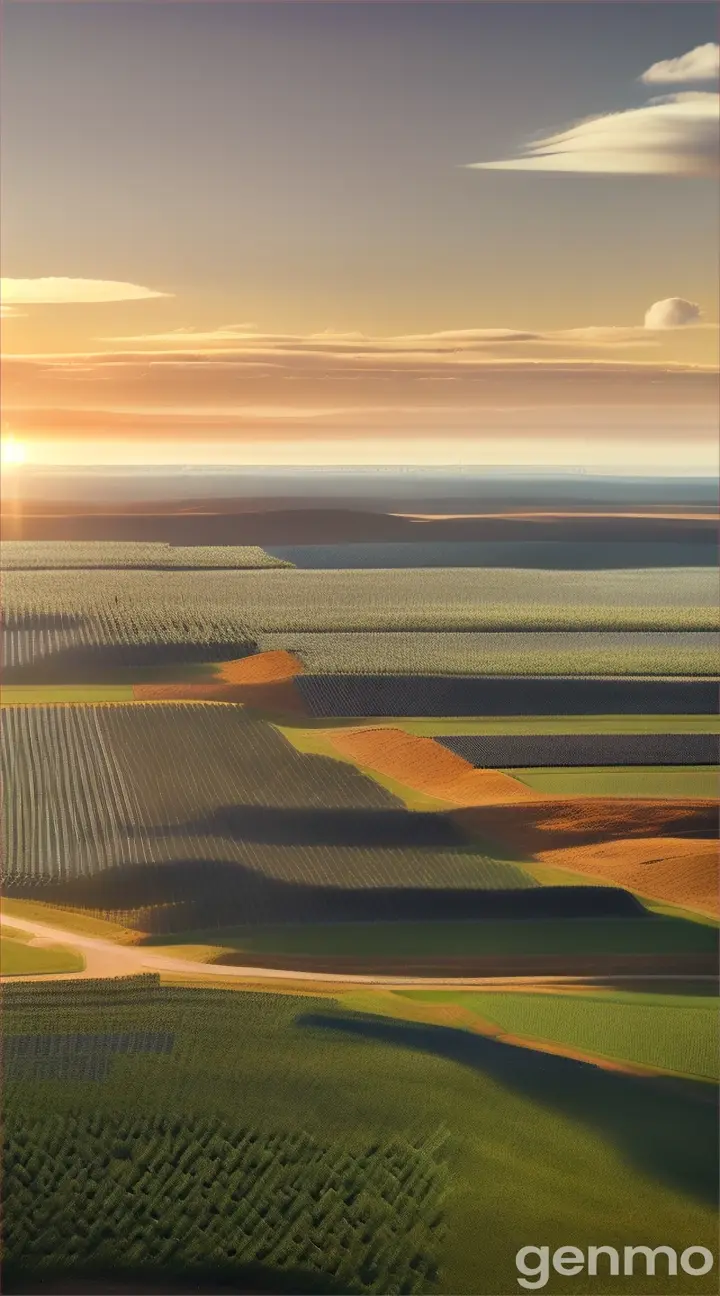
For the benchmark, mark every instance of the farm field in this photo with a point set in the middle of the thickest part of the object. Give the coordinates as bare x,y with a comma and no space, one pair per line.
682,870
624,781
20,958
456,598
676,1033
526,725
549,555
29,555
236,822
518,750
646,934
367,696
569,653
429,1127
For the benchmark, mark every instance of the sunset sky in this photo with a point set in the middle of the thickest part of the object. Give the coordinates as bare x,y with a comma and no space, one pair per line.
393,233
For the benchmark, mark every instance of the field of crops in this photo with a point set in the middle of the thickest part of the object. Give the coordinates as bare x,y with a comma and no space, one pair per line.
565,653
29,555
202,814
677,1034
445,695
507,751
66,625
624,781
456,598
355,1165
646,934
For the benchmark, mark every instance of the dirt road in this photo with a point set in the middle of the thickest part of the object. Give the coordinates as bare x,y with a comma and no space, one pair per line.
105,959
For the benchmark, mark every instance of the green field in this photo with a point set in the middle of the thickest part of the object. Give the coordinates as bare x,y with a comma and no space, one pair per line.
624,780
436,1147
19,958
650,935
457,725
678,1033
34,694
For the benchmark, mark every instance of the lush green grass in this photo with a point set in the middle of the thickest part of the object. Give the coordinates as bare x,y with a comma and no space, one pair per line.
651,935
623,724
677,1033
536,1148
624,781
569,724
18,958
69,919
29,694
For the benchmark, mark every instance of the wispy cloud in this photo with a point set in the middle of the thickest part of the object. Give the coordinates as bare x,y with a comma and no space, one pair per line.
676,135
55,290
460,346
699,64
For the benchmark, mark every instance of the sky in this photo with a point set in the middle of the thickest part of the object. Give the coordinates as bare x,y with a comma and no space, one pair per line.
296,233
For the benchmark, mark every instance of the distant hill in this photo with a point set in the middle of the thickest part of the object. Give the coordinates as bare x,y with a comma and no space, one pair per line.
231,522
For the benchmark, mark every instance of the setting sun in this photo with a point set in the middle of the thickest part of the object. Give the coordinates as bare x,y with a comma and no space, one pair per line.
12,452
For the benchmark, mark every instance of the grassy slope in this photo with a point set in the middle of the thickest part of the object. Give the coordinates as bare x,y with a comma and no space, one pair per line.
538,1147
434,726
69,919
624,781
18,958
583,935
29,694
679,1034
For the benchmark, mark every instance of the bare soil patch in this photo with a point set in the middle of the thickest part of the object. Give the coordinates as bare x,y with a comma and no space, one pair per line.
546,824
684,871
425,765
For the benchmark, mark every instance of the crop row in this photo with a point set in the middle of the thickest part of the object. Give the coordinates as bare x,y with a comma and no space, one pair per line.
75,1056
197,812
364,696
28,555
220,604
158,1196
505,751
507,653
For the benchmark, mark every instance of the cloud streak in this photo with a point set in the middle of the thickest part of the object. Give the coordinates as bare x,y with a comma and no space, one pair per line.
59,291
676,135
451,345
699,64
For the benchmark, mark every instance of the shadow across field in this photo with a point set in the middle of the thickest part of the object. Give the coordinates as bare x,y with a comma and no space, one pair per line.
300,826
105,663
186,894
667,1128
164,1280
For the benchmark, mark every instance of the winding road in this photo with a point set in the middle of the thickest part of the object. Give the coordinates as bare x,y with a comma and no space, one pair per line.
105,959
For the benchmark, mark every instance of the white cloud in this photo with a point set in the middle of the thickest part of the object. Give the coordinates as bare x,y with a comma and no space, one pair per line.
699,64
60,291
672,312
677,135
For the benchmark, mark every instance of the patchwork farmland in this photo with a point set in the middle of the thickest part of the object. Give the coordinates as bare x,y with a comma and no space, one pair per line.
44,555
363,1146
201,814
444,695
507,751
567,653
